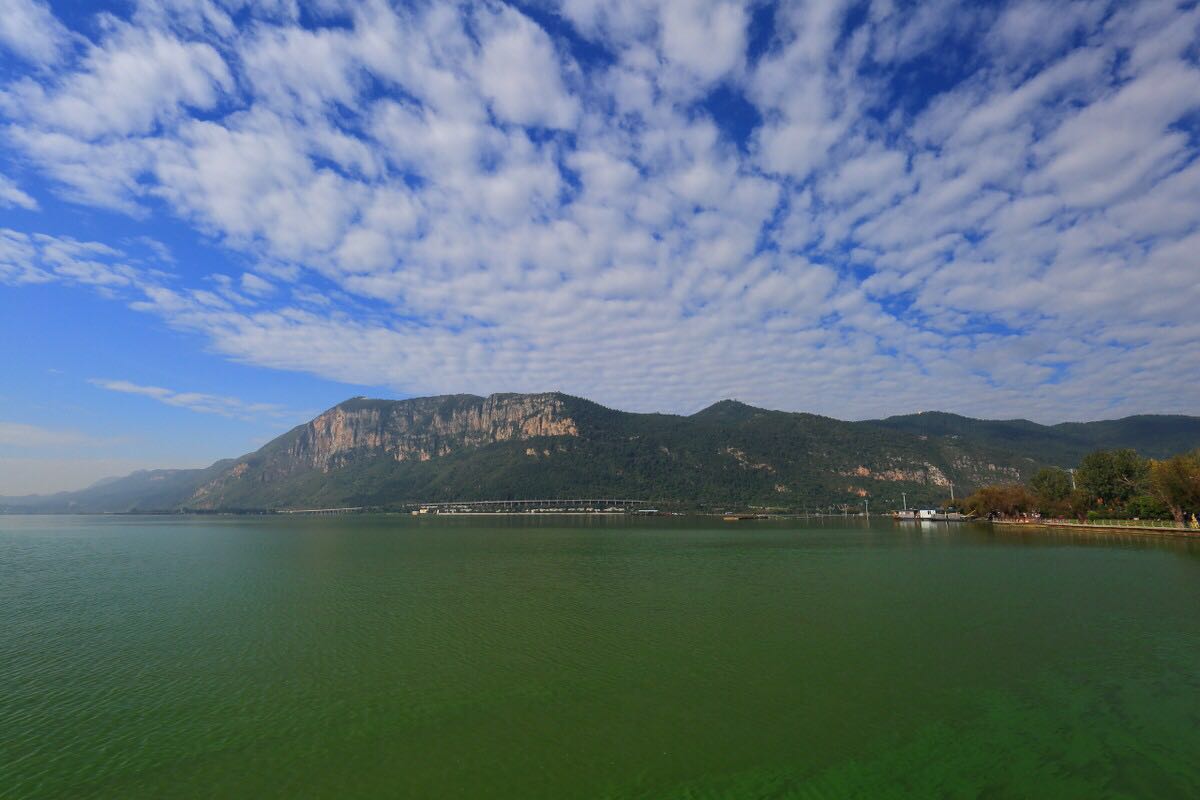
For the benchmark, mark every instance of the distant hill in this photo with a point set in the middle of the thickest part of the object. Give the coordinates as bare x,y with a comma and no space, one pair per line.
144,490
367,452
1154,436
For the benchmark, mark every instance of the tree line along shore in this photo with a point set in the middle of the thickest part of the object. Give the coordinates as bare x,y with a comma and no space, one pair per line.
1108,485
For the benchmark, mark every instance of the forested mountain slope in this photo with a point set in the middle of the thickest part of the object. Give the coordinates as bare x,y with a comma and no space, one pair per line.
366,452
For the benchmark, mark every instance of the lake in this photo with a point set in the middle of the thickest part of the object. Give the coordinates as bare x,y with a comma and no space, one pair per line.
589,657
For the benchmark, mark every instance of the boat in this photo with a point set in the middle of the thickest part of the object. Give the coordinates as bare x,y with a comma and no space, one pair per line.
933,515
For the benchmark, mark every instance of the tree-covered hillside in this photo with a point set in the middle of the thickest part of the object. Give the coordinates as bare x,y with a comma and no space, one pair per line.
1154,436
386,453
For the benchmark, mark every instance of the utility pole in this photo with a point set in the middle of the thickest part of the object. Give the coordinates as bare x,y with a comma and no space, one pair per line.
904,499
867,507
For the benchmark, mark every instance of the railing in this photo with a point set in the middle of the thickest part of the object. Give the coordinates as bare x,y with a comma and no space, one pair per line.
1130,524
1135,523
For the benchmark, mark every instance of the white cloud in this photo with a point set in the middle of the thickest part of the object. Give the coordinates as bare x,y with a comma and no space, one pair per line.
519,73
137,78
255,285
706,38
1030,29
11,195
452,198
805,89
38,258
197,401
254,178
299,69
29,29
1122,142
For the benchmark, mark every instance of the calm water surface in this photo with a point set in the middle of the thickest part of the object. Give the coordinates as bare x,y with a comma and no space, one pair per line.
581,657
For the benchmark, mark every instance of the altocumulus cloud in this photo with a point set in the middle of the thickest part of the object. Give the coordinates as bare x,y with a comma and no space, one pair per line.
851,208
197,401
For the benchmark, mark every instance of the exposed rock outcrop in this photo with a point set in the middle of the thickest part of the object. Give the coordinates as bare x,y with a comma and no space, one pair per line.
426,428
420,429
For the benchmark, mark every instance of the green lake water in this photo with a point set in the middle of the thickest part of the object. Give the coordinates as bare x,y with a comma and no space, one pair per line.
560,657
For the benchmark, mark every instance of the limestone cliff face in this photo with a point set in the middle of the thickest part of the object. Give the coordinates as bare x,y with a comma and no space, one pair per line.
362,430
426,428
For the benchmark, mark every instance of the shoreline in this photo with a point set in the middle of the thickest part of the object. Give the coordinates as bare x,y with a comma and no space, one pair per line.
1143,530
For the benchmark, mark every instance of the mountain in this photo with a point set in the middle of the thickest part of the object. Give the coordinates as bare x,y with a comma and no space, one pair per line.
385,453
370,452
1154,436
144,490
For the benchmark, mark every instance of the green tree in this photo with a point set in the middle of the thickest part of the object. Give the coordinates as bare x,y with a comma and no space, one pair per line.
1079,503
1175,482
1111,477
1051,486
1009,500
1147,506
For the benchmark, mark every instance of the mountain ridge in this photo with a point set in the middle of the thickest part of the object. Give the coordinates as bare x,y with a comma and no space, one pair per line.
382,453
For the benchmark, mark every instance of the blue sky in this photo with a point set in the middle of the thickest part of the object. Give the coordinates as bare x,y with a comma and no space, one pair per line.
219,217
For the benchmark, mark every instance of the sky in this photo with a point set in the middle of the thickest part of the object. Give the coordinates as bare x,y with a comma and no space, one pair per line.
219,217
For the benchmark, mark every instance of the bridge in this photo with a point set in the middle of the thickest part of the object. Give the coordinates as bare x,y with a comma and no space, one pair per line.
586,505
316,512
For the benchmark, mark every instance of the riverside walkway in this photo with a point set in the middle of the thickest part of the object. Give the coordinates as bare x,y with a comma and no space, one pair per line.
1164,527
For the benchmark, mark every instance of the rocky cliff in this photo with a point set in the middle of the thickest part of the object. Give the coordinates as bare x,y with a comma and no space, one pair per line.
426,428
419,430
